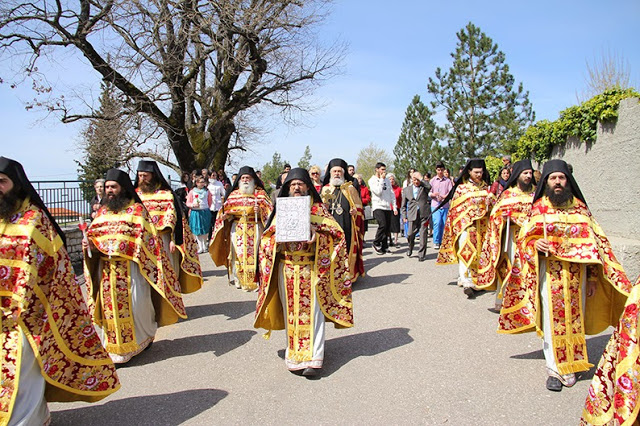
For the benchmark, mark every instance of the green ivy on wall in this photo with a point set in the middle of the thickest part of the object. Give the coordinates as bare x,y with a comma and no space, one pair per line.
579,121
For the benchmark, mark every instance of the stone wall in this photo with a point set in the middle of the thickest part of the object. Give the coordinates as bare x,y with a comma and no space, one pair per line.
74,246
609,177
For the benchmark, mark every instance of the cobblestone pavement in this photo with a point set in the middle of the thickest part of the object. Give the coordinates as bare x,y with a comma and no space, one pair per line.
420,353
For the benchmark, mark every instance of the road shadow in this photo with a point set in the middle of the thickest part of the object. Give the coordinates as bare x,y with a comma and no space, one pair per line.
368,282
372,262
214,273
342,350
232,310
595,348
165,409
218,343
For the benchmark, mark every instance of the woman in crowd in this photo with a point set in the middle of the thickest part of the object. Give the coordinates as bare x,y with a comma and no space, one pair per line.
199,200
365,196
96,201
314,172
499,185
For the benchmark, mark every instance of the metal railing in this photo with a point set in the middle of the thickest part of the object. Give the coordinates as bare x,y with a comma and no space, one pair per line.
65,199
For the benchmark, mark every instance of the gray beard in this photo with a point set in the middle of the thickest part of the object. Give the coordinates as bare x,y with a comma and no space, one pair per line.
247,188
336,181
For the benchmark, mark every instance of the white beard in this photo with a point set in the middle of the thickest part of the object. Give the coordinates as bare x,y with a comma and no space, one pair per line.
336,181
247,187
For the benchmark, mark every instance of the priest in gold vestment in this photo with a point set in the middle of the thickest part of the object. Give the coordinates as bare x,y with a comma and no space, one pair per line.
569,284
167,217
614,393
507,217
49,348
132,287
467,223
304,283
238,228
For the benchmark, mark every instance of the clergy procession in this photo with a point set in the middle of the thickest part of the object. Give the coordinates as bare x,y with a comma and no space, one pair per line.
533,246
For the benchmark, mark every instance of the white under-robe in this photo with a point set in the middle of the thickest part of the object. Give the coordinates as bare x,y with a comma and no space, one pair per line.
30,407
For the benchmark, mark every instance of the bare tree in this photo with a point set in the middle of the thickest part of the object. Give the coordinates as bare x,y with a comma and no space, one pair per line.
369,156
606,71
192,68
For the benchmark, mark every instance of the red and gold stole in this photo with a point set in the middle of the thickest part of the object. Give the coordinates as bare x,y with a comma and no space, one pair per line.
513,205
249,212
39,296
124,237
163,216
316,273
575,239
469,211
614,391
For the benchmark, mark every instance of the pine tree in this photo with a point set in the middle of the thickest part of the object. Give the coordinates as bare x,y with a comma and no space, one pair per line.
417,145
485,113
305,161
102,141
272,170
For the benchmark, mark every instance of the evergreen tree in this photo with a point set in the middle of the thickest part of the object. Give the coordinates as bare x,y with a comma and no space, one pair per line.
417,146
272,170
305,161
102,141
486,113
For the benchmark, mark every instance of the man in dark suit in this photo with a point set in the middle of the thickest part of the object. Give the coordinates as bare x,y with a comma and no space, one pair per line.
416,211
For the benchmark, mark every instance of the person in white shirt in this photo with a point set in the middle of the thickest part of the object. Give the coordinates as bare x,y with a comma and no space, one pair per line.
216,188
383,203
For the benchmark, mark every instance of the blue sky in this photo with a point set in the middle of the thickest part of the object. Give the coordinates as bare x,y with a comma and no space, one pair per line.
394,47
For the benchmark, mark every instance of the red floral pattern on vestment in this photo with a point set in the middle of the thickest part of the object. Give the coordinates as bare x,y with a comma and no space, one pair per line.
575,239
162,210
40,296
250,213
469,211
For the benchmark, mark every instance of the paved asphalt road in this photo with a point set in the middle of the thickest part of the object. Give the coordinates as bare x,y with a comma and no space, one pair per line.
420,353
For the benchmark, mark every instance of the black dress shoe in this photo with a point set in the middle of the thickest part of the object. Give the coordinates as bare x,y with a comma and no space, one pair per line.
410,252
469,292
309,372
422,258
554,384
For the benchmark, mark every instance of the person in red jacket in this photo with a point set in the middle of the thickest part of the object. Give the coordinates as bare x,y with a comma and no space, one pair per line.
365,196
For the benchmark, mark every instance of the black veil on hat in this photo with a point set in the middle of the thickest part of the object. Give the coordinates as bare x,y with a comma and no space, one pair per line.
152,167
15,172
336,162
299,174
517,168
553,166
472,163
244,170
295,174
